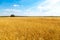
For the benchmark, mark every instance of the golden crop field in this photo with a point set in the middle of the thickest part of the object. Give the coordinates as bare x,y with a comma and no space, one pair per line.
29,28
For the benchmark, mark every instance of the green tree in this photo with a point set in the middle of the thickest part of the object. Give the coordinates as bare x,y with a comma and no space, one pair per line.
12,15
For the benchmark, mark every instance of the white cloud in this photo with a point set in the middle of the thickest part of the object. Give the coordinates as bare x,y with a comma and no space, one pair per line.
46,8
15,5
11,11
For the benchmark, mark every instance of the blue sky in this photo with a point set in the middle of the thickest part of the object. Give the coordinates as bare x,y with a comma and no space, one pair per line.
30,7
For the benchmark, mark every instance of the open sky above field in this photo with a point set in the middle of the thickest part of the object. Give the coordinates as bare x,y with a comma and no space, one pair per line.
30,7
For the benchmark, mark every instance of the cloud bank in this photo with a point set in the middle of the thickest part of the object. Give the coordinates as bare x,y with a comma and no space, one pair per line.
46,8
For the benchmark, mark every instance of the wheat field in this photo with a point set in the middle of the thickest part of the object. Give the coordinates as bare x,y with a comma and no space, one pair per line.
29,28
